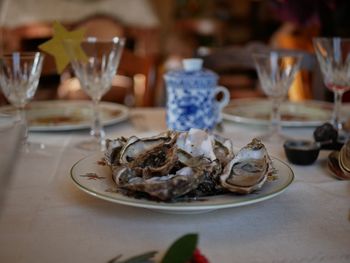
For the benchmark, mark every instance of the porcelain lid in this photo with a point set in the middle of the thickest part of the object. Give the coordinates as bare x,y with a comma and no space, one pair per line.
192,69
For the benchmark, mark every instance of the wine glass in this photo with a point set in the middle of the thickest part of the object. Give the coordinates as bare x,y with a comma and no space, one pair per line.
19,79
95,75
333,55
276,71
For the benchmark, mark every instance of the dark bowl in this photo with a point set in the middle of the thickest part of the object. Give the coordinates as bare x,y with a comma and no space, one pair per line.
301,152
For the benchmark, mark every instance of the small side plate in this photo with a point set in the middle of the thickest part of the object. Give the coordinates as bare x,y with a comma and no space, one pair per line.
63,115
293,114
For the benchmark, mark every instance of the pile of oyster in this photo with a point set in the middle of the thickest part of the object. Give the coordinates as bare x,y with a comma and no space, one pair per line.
186,164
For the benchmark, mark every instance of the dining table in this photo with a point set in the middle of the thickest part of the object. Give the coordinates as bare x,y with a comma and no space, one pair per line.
45,217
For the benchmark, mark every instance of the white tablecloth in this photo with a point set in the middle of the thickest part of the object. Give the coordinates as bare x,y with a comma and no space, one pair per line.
47,219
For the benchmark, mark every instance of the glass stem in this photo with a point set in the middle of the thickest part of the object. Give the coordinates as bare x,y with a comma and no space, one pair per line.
22,118
275,117
97,129
336,111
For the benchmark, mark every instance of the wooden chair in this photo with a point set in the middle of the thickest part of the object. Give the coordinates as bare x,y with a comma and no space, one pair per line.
142,71
205,31
100,26
236,69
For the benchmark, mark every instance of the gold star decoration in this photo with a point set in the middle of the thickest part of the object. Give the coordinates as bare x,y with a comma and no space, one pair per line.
55,46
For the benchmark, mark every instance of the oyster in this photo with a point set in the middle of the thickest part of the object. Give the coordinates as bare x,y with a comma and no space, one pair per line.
196,143
144,157
217,151
169,186
187,164
113,148
223,149
135,147
157,168
248,170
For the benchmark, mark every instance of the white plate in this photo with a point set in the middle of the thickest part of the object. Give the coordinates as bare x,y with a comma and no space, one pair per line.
69,115
94,177
293,114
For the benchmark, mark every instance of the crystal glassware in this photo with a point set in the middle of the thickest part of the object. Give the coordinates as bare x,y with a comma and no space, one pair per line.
276,71
19,79
95,74
333,55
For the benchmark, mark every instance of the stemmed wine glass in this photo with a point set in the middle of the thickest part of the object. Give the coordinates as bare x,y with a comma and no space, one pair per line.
95,75
19,79
333,55
276,71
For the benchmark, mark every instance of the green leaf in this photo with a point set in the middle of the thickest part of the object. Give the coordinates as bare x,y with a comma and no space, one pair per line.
181,250
143,258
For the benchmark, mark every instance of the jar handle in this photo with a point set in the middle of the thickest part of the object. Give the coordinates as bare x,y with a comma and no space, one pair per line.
225,96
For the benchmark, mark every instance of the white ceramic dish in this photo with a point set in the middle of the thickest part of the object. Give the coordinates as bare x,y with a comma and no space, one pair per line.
293,114
63,115
94,177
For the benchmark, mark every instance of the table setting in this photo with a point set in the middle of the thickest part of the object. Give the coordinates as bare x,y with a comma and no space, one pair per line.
166,184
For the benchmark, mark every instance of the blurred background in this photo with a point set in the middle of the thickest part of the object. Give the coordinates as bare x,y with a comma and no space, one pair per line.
160,33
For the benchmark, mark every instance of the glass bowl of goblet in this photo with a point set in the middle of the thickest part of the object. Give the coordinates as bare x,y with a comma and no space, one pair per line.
95,69
19,79
333,55
276,71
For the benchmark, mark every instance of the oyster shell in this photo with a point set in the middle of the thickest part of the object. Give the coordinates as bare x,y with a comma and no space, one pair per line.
155,162
223,149
188,164
169,186
145,157
113,148
213,149
197,143
248,170
135,147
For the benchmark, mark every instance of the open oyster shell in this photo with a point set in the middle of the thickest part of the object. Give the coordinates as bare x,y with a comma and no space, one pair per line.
223,149
248,170
216,150
169,186
193,163
146,157
135,147
113,149
196,143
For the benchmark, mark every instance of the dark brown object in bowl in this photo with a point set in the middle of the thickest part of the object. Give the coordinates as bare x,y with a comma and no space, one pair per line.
325,132
327,137
301,152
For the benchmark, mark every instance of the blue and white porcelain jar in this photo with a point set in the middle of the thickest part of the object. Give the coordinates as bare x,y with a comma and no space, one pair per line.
192,97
